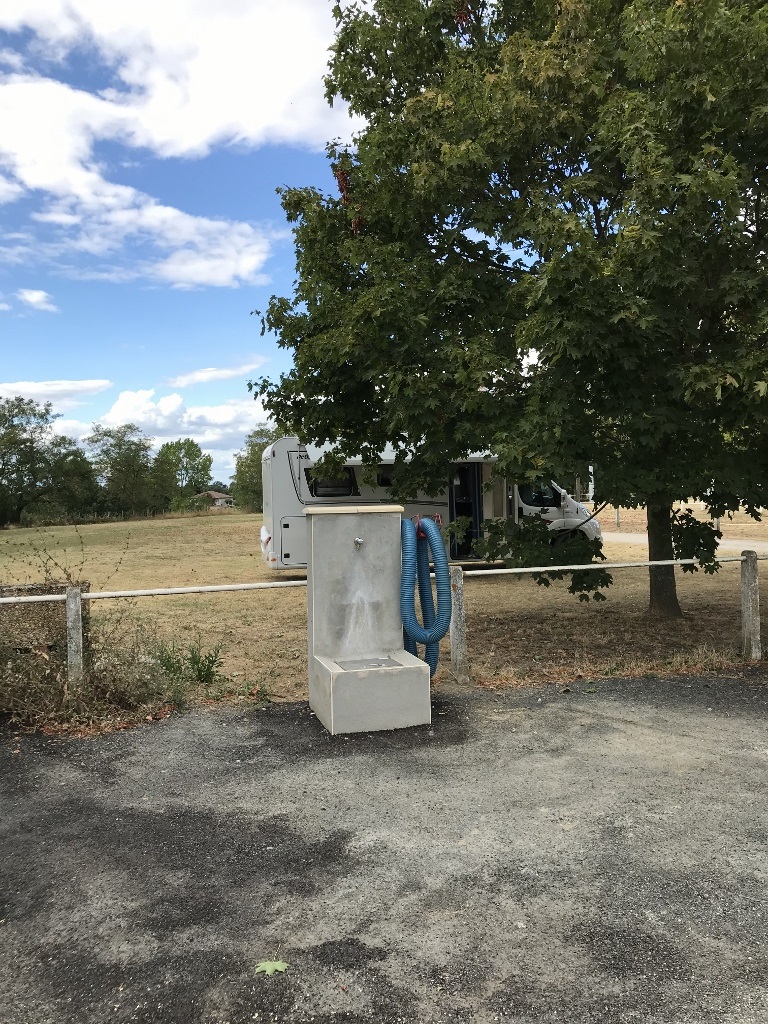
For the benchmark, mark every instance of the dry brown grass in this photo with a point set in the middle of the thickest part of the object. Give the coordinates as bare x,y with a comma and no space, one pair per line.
519,633
169,551
263,634
738,526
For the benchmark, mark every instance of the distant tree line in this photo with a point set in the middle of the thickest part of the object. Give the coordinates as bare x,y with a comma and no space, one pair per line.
247,482
47,477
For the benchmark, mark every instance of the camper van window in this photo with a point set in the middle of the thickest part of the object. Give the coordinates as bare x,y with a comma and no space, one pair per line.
342,486
383,478
539,495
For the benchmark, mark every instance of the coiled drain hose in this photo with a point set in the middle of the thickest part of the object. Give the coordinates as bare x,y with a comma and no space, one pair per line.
416,566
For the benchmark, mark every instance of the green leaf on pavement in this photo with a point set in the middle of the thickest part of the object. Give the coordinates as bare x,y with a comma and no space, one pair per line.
270,966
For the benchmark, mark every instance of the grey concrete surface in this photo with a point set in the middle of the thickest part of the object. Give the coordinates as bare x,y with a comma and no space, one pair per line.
597,855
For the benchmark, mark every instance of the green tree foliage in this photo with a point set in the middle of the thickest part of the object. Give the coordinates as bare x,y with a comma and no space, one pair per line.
180,470
122,460
193,466
40,472
25,429
514,543
163,482
46,477
247,485
73,490
548,241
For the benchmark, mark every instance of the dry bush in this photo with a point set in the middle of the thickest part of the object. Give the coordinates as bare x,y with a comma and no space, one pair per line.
122,679
131,674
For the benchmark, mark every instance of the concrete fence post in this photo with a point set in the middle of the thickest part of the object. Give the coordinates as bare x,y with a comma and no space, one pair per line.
750,607
74,638
458,633
618,516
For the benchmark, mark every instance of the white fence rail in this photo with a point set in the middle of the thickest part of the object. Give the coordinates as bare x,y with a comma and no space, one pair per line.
74,597
100,595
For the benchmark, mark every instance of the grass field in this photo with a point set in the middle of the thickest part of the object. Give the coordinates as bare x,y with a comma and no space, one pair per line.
518,632
736,527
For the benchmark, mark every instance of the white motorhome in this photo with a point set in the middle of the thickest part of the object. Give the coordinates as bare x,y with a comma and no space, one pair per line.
472,492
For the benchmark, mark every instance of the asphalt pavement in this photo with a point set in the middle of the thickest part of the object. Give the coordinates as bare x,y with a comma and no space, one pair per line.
592,853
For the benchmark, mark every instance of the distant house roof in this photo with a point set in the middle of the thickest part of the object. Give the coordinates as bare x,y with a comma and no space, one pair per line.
214,495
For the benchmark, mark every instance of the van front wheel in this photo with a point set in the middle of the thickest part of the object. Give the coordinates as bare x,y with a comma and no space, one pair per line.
562,537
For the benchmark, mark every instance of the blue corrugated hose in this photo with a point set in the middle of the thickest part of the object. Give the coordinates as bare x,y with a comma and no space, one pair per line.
416,566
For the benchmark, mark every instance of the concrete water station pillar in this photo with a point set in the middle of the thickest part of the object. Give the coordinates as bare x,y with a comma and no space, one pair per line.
360,677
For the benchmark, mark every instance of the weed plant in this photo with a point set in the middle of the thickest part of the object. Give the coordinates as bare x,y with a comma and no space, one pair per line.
204,665
130,673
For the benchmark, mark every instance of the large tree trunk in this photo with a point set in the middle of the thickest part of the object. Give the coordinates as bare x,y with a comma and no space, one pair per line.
664,601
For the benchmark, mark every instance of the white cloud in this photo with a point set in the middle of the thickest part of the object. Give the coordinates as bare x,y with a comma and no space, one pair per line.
11,60
210,373
4,307
200,250
64,393
137,407
37,299
219,428
191,74
215,253
9,190
75,429
186,75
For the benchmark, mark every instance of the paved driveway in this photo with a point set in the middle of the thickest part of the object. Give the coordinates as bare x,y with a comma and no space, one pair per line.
591,856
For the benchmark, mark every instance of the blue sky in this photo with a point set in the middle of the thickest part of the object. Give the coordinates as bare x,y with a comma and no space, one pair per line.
141,148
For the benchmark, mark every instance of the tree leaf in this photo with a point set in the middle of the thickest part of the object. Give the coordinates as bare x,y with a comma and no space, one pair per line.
269,967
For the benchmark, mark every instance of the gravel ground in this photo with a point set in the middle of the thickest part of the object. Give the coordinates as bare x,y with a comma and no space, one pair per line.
596,855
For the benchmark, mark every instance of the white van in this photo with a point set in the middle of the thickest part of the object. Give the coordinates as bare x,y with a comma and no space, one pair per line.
289,488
